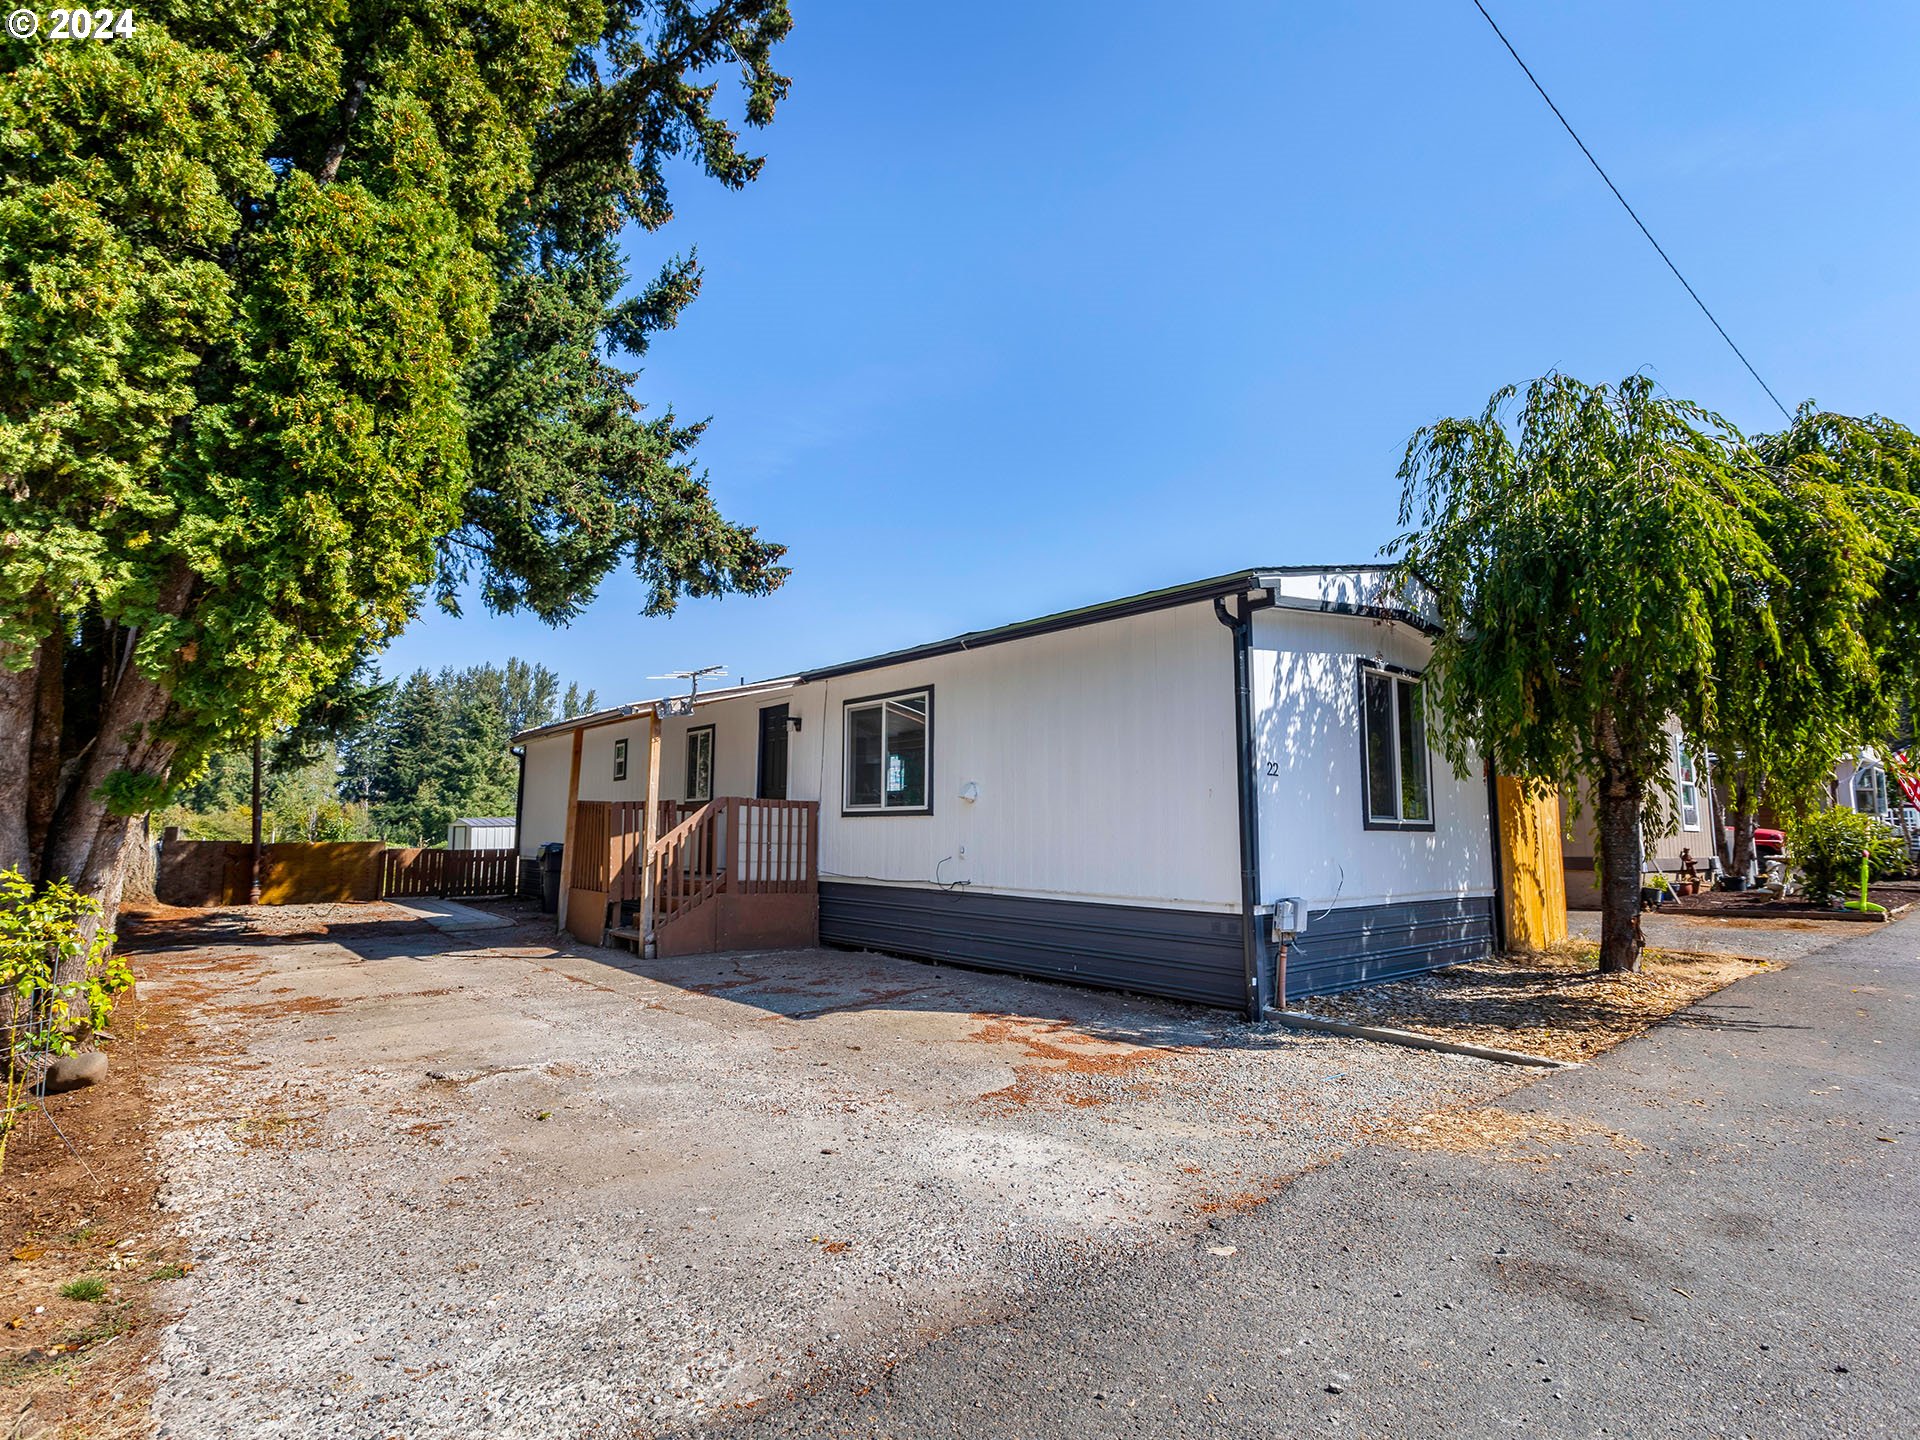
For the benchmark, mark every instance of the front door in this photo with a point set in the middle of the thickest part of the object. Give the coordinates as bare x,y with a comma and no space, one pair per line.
772,784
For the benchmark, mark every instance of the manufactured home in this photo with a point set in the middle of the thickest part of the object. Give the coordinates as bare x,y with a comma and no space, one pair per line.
1163,794
1692,841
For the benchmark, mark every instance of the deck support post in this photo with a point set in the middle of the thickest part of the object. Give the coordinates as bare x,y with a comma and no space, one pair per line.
566,852
649,830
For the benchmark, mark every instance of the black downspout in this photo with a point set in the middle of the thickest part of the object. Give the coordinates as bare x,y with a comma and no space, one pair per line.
1502,942
519,805
1242,627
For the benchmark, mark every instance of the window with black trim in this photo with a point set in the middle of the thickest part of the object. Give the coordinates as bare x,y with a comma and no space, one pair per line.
1393,738
619,759
889,745
700,763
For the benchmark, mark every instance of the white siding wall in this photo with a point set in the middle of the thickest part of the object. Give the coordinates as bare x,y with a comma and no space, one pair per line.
736,743
1307,725
543,804
596,762
1103,756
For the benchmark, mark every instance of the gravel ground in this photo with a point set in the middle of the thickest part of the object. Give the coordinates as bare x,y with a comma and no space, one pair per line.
1554,1003
1698,1234
1758,939
445,1185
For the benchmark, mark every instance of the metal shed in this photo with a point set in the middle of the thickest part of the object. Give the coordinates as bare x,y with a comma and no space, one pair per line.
487,832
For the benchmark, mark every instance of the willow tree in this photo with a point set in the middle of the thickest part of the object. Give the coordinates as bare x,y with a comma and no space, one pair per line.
303,309
1835,655
1584,552
1841,515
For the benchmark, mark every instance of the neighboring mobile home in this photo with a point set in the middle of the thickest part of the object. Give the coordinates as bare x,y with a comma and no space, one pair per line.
1120,795
1694,838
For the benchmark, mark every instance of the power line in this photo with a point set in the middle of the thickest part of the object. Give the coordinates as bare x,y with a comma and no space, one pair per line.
1601,171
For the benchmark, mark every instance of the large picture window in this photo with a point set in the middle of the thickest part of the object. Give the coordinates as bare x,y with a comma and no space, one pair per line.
700,763
889,740
1393,730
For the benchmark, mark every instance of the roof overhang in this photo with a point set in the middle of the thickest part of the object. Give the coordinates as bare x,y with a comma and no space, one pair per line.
1362,590
641,709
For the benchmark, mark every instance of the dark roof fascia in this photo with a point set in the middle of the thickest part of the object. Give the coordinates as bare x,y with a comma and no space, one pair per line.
1187,594
593,719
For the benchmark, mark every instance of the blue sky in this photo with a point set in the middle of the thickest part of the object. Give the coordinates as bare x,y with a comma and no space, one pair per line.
1041,304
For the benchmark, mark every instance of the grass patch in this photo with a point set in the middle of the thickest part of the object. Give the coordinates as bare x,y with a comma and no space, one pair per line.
90,1288
172,1270
116,1320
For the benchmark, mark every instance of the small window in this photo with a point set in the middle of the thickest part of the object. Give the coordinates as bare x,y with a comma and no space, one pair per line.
619,759
1870,790
1394,738
700,763
1689,778
889,743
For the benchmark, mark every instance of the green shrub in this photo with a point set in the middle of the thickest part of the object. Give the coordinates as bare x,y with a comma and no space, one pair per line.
57,984
90,1288
1827,847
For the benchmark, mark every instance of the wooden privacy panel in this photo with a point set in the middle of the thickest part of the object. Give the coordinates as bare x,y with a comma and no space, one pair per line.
318,873
451,873
587,865
219,872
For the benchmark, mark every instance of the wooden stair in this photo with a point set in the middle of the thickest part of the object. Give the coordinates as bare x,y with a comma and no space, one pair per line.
734,873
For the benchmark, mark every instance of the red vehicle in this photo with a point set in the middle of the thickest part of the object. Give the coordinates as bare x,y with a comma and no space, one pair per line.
1768,845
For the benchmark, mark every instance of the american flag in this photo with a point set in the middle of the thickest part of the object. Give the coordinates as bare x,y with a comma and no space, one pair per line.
1909,782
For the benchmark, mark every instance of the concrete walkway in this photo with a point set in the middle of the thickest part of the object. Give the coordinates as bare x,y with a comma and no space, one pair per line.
1710,1231
450,916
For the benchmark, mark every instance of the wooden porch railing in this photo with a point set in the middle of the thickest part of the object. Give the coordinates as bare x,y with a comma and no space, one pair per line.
731,845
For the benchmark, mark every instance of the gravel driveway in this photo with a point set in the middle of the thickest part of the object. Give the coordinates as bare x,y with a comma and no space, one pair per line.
450,1184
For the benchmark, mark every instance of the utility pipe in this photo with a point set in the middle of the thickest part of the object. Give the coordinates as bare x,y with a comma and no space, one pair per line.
1242,627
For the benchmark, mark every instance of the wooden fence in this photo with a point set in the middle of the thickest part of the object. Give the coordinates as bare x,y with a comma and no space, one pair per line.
450,873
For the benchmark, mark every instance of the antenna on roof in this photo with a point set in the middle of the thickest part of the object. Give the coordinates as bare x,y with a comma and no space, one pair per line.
693,679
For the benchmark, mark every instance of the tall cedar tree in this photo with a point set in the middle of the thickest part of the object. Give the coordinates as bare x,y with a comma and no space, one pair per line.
303,309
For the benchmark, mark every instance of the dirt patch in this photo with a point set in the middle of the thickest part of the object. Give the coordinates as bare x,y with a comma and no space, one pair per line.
1511,1135
1065,1067
85,1219
1554,1003
1897,896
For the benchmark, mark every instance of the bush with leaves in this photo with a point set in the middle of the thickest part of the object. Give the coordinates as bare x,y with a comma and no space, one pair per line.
1827,846
58,980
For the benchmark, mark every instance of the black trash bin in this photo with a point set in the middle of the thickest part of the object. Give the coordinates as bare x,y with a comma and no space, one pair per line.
550,876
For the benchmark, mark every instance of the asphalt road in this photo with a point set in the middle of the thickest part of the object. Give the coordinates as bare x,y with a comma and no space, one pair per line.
1750,1270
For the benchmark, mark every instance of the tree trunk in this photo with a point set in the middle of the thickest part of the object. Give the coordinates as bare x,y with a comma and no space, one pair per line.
1617,800
1744,816
253,859
19,689
46,752
89,841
